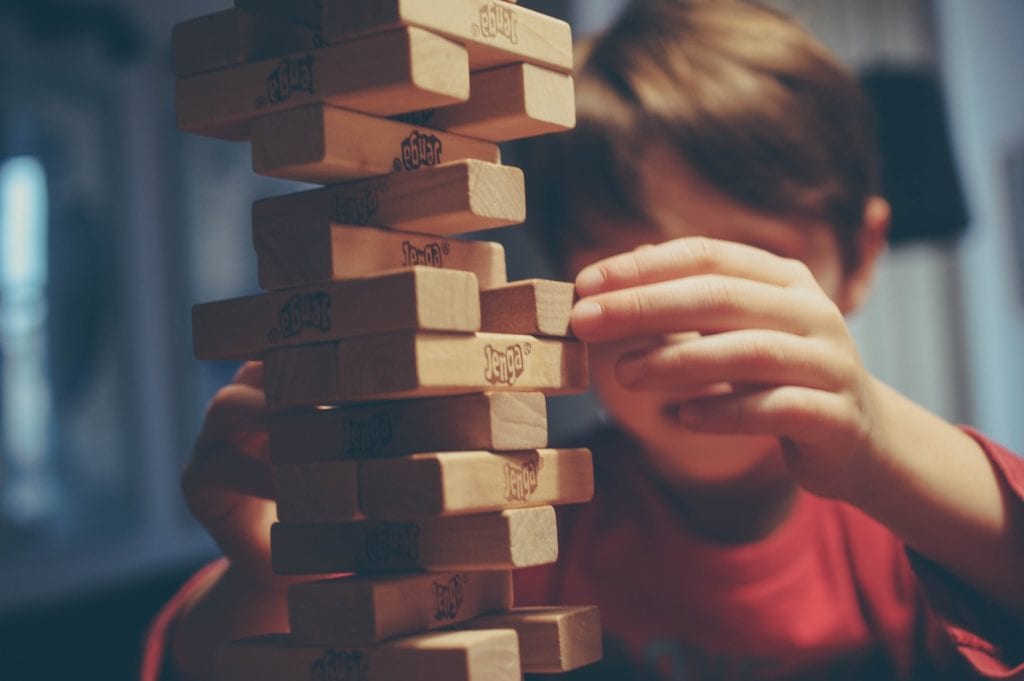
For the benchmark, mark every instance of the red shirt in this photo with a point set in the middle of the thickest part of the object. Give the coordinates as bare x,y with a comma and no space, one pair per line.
830,594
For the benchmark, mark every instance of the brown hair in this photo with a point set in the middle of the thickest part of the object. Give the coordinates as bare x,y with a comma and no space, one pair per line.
745,96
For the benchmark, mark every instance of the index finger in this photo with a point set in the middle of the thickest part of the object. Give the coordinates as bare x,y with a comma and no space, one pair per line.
684,257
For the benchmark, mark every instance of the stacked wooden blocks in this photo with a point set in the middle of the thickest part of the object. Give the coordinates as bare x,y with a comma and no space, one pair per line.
406,376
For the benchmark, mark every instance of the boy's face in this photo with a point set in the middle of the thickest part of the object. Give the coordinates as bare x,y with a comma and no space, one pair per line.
682,204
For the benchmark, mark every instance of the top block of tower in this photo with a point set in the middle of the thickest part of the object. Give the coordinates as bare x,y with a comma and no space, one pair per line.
495,33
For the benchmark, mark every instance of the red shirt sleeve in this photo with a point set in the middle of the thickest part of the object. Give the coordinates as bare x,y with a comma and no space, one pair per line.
155,661
990,639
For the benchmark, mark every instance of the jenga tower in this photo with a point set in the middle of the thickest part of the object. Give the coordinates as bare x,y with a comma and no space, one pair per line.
405,374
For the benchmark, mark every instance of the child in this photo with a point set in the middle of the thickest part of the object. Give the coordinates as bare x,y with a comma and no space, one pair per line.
766,509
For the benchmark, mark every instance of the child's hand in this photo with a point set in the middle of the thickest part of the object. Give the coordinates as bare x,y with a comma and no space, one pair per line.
228,483
769,335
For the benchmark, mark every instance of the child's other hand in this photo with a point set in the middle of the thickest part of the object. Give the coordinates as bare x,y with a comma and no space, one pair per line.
228,483
769,335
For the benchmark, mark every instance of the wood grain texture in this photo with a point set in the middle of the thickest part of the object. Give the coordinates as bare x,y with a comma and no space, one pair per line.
495,33
304,12
511,539
317,492
384,74
232,37
358,610
405,365
322,144
451,198
538,307
508,103
438,656
490,421
552,640
454,483
301,253
414,298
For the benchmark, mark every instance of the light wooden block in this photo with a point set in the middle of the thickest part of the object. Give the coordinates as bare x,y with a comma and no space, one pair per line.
305,253
318,492
491,421
453,483
406,365
552,640
305,12
233,37
495,33
322,144
508,103
512,539
357,610
385,74
534,306
438,656
415,298
462,196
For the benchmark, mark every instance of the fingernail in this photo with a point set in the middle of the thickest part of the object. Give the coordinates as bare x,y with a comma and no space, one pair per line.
586,315
632,369
589,281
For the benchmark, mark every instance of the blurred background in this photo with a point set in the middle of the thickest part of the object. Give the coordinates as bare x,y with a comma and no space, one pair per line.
112,224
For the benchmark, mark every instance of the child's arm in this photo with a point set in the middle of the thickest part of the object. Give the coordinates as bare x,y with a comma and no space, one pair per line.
767,325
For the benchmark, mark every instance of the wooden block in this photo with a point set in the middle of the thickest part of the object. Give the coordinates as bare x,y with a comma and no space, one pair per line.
312,252
533,306
495,33
415,298
512,539
356,610
305,12
400,365
385,74
432,484
508,103
438,656
322,144
318,492
492,421
552,640
463,196
453,483
233,37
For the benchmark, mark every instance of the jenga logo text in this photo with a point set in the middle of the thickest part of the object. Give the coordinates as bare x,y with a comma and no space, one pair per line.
419,150
498,21
302,311
448,597
367,437
431,255
503,367
291,75
341,665
391,541
521,481
357,208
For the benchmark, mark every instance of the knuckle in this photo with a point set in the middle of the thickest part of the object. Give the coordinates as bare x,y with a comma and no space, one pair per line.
700,251
761,353
223,398
799,271
637,305
717,294
792,405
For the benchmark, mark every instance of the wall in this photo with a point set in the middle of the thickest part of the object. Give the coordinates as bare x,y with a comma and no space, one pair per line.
981,54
